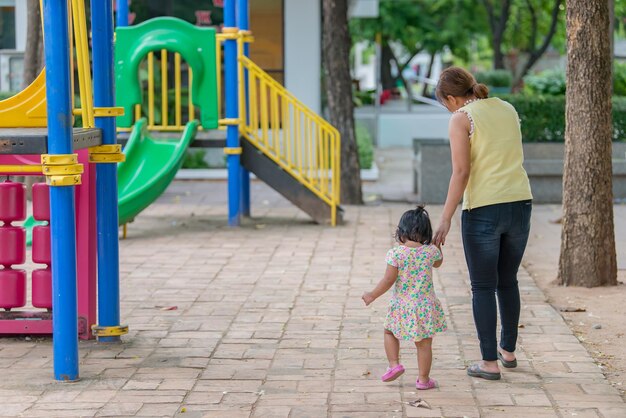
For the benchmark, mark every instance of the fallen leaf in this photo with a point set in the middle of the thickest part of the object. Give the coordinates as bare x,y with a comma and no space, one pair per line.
572,309
521,326
167,308
556,221
419,403
183,410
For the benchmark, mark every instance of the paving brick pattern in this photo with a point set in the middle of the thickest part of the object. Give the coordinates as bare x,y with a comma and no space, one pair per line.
268,322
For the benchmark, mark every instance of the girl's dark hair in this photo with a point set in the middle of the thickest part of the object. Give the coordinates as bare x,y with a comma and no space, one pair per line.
415,226
457,82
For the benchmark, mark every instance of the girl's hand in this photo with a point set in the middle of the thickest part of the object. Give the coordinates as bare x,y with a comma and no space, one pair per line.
368,298
439,238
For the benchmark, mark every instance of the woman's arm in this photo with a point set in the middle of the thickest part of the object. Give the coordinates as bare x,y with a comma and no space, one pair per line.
391,274
460,148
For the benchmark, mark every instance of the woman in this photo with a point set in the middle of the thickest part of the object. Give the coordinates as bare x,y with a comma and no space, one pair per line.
487,157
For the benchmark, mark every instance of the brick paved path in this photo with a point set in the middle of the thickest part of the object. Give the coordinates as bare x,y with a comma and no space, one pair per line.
269,323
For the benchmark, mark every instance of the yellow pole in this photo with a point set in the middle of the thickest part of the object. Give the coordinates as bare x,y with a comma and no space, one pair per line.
164,118
264,115
218,69
254,105
192,110
81,69
286,128
177,90
151,89
298,137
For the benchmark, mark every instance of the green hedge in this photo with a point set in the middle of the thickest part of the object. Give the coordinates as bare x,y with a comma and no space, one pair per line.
365,146
6,94
495,78
543,117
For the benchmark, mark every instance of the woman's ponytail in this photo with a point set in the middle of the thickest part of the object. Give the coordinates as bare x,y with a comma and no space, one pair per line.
480,90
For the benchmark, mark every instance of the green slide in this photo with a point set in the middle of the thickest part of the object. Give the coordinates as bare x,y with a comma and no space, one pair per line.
149,168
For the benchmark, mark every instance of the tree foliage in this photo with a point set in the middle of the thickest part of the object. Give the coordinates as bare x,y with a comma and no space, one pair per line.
408,27
529,27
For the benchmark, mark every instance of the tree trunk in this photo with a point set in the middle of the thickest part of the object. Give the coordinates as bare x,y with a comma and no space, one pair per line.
386,78
498,56
32,61
588,237
429,73
336,54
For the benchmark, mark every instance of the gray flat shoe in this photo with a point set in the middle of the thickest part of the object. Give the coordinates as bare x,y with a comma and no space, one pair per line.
505,363
475,371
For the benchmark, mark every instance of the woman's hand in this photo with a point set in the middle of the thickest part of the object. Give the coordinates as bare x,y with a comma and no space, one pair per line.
368,298
439,238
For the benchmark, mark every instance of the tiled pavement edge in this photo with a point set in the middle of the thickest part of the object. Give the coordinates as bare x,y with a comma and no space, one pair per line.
269,323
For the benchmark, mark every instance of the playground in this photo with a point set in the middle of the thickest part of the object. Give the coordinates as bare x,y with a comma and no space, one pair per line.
127,293
266,320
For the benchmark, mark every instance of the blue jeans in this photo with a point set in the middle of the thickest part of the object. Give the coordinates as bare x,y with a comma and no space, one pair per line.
494,240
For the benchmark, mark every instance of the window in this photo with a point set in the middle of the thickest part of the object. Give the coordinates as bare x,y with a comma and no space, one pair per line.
7,27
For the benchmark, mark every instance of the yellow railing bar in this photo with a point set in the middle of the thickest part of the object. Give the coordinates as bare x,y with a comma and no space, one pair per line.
164,104
177,87
82,56
16,168
218,70
286,129
192,110
151,88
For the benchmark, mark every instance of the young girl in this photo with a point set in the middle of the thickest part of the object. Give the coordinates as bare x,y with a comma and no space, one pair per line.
415,313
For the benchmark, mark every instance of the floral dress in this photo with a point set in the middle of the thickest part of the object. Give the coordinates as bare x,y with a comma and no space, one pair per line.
414,312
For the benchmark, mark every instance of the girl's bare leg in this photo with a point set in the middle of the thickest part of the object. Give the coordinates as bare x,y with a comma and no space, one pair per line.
392,349
424,358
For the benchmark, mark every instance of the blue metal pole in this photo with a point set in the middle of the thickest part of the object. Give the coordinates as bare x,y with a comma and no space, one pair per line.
106,173
243,17
62,205
232,112
122,12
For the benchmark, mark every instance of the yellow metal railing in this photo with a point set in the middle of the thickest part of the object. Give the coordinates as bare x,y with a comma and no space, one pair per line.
297,139
158,94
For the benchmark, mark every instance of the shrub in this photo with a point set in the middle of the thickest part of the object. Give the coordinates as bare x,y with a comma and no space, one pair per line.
495,78
553,82
6,94
543,117
364,146
195,159
619,79
548,82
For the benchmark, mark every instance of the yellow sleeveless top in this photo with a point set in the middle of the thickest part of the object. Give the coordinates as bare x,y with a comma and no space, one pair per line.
496,172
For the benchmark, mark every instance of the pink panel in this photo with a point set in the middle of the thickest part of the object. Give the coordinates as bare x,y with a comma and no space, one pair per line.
41,245
12,288
36,326
86,245
41,202
12,245
12,202
42,288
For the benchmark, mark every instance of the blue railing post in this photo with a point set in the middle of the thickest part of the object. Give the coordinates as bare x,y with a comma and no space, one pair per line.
62,205
122,12
106,173
243,17
232,113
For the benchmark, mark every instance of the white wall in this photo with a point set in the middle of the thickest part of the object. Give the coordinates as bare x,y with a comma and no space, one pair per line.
303,48
20,24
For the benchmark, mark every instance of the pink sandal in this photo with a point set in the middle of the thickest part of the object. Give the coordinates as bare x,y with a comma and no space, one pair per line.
393,373
431,384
